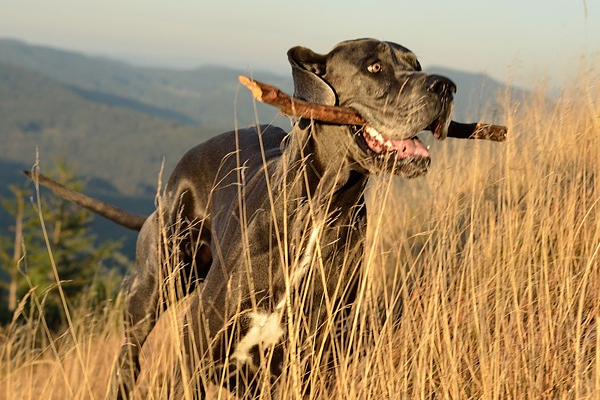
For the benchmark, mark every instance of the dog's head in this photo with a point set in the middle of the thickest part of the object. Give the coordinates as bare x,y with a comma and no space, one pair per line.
383,81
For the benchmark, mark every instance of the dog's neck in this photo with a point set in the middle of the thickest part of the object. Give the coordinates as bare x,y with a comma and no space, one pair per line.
328,196
319,154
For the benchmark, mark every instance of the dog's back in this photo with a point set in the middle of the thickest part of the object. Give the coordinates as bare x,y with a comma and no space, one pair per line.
206,165
202,192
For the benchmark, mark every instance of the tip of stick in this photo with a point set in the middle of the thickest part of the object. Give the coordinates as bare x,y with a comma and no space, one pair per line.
252,86
244,80
496,133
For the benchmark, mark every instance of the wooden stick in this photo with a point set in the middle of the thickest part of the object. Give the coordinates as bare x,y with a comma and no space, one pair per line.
348,116
124,218
299,108
477,130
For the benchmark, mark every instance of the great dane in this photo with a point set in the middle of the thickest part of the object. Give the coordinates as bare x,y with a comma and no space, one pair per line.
268,219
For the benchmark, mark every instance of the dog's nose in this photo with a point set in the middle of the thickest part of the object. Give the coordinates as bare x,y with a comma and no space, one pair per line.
440,85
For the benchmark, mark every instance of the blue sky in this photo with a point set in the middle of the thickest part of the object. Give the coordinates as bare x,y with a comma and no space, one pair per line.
511,40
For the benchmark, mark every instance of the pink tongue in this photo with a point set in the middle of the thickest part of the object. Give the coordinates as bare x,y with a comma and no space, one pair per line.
409,147
404,148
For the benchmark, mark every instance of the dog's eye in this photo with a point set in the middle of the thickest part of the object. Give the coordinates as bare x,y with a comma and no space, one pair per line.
375,68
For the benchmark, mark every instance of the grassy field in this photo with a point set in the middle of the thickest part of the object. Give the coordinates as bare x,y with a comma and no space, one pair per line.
488,269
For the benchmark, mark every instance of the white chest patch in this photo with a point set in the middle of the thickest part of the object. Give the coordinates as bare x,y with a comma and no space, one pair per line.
265,330
307,257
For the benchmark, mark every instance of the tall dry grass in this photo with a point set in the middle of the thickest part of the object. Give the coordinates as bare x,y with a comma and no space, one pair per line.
482,281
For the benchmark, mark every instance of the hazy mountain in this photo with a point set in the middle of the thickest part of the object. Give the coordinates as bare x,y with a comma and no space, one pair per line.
120,145
205,96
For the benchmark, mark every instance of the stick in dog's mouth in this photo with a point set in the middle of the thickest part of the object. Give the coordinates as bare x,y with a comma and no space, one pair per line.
343,115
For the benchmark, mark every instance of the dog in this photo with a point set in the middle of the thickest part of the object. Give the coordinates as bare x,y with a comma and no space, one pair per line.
252,214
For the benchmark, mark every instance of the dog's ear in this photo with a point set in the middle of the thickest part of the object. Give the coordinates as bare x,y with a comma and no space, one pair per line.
308,69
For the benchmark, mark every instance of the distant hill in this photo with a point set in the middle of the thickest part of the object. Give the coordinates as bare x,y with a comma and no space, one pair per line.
115,144
117,150
117,122
205,96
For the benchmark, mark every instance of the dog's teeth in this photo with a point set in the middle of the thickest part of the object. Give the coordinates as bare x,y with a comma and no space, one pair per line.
373,132
428,147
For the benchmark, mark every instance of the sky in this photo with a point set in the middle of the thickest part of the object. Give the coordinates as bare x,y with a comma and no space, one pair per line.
518,41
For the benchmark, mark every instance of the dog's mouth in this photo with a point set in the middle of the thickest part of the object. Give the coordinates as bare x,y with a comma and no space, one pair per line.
381,146
438,129
398,149
408,157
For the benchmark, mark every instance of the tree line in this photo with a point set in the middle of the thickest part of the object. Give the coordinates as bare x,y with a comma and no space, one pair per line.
51,255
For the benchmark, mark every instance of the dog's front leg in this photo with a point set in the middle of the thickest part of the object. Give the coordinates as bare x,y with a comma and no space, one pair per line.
244,354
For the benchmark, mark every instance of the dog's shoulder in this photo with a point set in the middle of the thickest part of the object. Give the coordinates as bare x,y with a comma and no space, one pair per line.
251,138
246,140
226,152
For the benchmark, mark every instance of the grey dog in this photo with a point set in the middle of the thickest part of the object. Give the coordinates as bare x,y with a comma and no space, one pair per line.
252,213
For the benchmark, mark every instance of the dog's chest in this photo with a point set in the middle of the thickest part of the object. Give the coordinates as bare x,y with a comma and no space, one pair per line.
302,288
